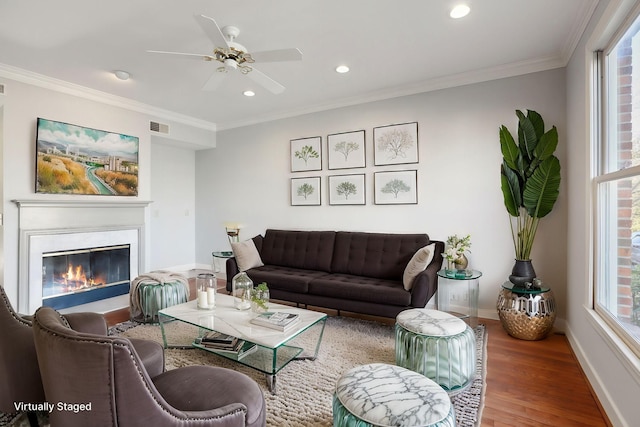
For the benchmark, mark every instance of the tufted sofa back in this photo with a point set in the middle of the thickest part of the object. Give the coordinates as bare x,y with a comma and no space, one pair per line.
310,250
379,255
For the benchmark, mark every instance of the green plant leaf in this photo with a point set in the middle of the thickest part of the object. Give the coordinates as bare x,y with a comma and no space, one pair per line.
527,138
537,122
511,190
541,190
547,144
510,151
544,149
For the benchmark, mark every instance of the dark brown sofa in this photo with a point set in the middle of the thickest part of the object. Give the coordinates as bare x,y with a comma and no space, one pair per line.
352,271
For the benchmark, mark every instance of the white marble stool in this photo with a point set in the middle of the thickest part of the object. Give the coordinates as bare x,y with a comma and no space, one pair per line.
438,345
386,395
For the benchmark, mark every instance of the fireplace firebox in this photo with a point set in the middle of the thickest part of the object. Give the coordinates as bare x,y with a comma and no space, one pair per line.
74,277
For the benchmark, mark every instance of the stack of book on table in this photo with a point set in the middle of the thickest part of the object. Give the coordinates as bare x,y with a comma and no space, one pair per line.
277,320
227,344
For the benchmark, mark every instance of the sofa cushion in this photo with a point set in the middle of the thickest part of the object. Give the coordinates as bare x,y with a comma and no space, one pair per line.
284,278
418,263
309,250
378,255
358,288
246,255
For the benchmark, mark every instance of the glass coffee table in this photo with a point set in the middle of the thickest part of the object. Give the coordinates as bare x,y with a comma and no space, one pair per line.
275,349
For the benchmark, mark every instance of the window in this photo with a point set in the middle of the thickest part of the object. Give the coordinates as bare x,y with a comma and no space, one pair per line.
617,188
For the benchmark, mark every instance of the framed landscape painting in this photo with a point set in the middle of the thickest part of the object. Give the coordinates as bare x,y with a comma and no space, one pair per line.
306,154
346,189
395,144
73,159
305,191
396,187
346,150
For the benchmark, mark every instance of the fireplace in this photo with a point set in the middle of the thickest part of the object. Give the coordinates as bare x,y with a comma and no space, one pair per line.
56,234
80,276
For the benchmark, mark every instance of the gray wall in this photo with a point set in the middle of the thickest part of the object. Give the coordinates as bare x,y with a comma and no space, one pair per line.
171,231
246,178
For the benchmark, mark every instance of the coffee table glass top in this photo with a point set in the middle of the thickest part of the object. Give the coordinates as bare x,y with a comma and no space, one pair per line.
275,348
229,320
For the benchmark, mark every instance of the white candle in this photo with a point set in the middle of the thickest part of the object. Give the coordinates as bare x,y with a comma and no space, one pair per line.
202,299
211,296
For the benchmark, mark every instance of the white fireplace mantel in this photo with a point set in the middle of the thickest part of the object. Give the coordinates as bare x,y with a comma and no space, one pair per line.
82,203
61,218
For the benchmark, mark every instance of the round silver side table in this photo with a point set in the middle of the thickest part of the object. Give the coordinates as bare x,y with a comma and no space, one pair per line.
527,314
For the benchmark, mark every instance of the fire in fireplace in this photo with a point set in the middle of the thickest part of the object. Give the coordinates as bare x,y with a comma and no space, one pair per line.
84,275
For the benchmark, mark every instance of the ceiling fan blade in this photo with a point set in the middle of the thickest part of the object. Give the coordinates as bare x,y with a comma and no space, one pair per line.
198,56
214,81
265,81
212,30
277,55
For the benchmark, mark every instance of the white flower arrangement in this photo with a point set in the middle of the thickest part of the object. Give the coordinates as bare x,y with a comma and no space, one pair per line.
456,247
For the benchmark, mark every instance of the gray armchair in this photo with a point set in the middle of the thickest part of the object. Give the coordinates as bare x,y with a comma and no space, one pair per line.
107,376
18,363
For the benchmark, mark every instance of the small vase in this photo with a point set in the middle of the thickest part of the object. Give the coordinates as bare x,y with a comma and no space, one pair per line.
461,262
451,265
522,272
259,300
242,286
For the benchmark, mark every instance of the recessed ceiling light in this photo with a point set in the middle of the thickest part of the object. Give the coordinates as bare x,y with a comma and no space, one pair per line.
460,11
342,69
248,93
122,75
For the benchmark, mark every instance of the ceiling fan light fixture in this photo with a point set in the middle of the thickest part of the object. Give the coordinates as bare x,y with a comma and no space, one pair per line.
122,75
230,64
342,69
460,11
248,93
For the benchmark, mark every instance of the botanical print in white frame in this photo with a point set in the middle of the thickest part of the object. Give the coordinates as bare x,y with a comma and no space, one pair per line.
305,191
306,154
347,189
395,144
396,187
346,150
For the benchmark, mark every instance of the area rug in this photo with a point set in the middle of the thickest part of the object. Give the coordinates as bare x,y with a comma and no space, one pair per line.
305,388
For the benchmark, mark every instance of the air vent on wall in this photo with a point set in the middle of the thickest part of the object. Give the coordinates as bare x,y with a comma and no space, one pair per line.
158,127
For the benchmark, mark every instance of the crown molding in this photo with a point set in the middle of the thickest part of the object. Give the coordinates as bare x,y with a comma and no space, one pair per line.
438,83
62,86
579,27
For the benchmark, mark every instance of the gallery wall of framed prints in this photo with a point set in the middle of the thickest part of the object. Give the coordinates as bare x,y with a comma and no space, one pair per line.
392,145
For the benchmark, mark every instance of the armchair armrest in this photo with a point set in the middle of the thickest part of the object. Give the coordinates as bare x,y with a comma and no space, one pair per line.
425,284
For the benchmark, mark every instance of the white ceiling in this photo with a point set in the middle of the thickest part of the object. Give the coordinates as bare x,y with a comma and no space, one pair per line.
393,47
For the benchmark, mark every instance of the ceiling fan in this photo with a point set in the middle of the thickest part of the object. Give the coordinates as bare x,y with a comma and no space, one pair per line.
235,57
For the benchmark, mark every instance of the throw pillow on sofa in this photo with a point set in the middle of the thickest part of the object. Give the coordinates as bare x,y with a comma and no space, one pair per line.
418,263
246,254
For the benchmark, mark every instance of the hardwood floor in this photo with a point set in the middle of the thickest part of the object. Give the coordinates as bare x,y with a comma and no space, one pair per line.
536,383
529,383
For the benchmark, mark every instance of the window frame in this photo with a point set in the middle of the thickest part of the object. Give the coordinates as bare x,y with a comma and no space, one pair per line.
604,104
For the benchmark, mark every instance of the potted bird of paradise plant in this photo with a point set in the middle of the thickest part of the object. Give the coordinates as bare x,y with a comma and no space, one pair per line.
530,182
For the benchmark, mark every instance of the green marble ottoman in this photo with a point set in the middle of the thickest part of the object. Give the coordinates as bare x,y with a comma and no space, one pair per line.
386,395
438,345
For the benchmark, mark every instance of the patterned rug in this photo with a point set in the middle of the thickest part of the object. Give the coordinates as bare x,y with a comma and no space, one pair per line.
305,387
